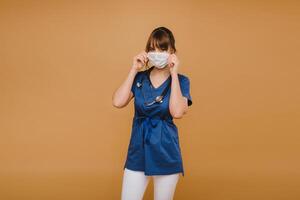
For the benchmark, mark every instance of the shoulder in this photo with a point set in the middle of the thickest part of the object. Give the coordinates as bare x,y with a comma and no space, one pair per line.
183,78
140,74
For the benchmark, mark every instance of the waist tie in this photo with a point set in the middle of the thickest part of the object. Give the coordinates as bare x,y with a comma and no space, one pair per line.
151,128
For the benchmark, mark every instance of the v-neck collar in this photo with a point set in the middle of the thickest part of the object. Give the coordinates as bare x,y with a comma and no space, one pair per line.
161,85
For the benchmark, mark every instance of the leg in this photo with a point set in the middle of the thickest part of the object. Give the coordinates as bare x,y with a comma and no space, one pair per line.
164,186
134,185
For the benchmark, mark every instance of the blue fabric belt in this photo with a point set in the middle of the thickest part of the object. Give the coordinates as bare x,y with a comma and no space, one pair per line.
151,128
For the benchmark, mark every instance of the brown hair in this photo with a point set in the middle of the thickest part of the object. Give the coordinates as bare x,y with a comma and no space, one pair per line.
161,38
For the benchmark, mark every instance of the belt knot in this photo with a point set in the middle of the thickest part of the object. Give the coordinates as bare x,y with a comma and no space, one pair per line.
152,117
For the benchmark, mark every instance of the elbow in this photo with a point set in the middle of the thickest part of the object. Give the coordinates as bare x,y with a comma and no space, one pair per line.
116,101
117,104
177,115
177,111
120,102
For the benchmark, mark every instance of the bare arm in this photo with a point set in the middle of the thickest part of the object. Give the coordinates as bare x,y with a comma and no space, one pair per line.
178,104
122,96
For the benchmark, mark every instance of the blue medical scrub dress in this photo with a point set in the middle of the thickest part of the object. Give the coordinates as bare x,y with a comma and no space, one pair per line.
154,144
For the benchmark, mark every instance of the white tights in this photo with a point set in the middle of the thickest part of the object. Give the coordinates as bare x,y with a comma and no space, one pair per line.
135,184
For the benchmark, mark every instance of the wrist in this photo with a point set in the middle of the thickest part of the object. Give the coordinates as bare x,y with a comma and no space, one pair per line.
174,73
133,70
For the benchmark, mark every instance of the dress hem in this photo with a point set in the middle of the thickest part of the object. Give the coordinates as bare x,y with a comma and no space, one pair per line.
156,173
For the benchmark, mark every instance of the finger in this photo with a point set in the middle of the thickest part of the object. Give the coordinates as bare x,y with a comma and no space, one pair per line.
141,59
144,54
144,57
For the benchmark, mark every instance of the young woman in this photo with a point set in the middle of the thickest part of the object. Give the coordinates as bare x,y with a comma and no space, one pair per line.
160,94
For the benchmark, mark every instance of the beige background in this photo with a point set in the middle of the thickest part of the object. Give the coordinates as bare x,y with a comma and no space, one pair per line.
60,61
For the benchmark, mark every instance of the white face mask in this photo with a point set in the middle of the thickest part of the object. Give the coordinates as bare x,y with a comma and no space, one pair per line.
158,59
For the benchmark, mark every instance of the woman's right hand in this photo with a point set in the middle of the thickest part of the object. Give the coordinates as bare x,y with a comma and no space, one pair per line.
139,61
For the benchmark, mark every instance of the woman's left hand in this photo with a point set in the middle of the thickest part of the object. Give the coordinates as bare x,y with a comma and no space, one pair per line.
173,63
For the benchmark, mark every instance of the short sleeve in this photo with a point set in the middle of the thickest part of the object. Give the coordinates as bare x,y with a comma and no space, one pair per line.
185,89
